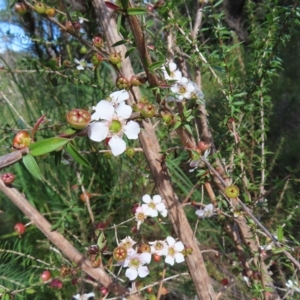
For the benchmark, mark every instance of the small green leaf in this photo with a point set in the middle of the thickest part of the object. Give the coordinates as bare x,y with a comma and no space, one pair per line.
124,3
134,11
121,42
101,241
177,124
129,51
2,140
77,156
32,166
279,233
156,65
47,146
30,291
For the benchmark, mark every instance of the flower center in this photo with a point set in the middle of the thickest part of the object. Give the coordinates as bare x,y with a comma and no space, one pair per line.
151,205
140,216
135,262
171,251
115,126
182,90
159,246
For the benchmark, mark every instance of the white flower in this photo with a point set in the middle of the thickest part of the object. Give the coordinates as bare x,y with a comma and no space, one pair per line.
197,93
84,296
159,247
183,89
207,212
152,207
117,97
173,74
128,243
135,263
82,64
293,285
140,216
174,251
270,245
113,126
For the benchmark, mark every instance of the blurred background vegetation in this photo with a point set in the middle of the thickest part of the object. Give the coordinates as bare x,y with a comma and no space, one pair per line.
33,83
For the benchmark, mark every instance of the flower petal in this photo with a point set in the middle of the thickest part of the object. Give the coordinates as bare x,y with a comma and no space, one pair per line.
123,110
143,271
179,258
156,199
105,110
97,131
119,96
170,240
132,130
146,198
131,273
172,66
117,145
145,258
200,213
169,260
163,212
178,246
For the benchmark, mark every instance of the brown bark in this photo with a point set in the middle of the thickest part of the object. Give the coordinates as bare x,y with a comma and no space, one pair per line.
152,150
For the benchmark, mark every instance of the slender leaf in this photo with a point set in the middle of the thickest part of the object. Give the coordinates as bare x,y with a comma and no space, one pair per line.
134,11
47,146
77,156
32,166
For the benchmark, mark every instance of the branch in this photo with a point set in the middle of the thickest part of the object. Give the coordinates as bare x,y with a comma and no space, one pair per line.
60,242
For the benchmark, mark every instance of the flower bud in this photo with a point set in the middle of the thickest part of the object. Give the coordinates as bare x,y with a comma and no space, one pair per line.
40,7
98,42
93,249
21,140
122,83
50,11
56,283
96,263
144,248
202,146
148,110
83,50
137,107
8,178
20,228
21,8
78,118
134,81
85,195
115,58
130,152
156,257
167,118
232,191
72,26
46,275
96,59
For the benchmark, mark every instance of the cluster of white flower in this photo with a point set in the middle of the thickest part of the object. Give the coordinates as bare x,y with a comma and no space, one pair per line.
207,212
150,208
135,262
182,88
81,64
84,296
293,286
114,114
